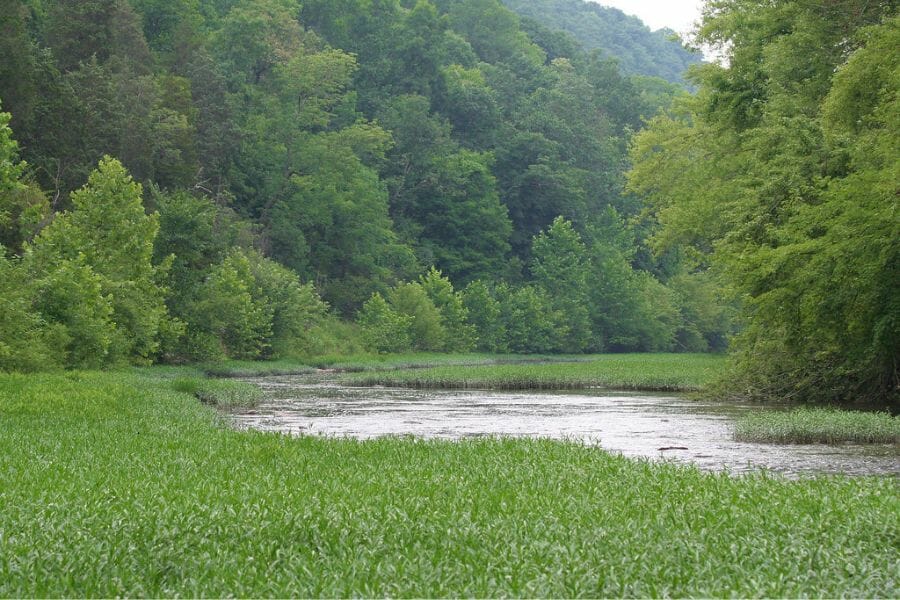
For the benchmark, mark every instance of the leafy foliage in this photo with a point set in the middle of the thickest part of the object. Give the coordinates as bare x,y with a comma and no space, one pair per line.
352,143
109,235
623,37
782,173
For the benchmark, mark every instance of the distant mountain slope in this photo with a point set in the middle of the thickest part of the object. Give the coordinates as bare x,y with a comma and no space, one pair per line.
639,50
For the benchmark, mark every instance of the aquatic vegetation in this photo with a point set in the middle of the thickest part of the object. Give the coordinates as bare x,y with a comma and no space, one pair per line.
219,392
652,372
116,484
818,425
256,368
421,360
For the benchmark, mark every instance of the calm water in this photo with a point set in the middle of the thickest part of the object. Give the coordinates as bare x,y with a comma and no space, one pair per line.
659,426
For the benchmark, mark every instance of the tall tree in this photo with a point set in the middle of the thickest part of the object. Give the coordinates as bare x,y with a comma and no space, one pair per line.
108,238
770,171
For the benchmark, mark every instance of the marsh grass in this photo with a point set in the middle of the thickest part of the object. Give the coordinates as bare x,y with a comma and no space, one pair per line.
223,393
256,368
648,372
423,360
117,484
818,426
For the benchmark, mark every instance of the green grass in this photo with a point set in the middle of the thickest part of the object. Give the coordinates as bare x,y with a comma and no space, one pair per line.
219,392
369,362
256,368
652,372
117,484
818,425
420,360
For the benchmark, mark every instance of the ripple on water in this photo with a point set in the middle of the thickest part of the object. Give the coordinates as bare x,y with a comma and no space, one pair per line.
658,426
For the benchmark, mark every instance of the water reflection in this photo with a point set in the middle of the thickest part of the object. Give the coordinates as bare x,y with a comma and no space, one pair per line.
660,426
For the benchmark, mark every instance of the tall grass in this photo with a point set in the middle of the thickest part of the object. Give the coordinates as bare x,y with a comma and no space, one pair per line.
818,425
421,360
256,368
117,484
653,372
219,392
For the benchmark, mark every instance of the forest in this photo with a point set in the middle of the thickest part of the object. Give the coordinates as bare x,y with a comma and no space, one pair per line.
192,180
431,298
636,49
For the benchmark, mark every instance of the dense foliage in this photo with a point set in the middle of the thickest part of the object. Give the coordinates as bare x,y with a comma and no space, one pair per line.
782,173
204,179
637,50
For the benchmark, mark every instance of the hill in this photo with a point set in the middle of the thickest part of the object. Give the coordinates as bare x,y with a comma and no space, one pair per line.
638,50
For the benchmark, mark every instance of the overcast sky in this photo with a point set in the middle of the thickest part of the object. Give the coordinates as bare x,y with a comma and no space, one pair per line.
675,14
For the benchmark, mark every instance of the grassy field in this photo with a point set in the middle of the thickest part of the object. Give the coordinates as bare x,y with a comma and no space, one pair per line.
652,372
119,484
818,425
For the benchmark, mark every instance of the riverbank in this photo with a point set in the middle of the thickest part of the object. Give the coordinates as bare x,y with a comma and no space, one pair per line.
119,484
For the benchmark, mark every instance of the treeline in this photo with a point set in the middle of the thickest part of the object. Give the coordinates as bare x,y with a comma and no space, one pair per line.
783,173
351,145
637,49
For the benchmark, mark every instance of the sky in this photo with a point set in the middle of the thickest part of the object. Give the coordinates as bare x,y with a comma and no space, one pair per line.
675,14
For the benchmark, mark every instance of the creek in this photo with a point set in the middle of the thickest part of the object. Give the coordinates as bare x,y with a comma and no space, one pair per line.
655,426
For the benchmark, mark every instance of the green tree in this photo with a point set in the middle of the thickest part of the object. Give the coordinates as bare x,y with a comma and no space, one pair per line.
484,314
461,336
560,266
229,317
26,342
630,309
426,329
296,307
782,173
383,328
23,206
69,297
531,323
110,233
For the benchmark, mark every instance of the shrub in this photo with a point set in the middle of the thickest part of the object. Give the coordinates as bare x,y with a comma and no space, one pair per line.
226,319
484,314
25,339
383,328
426,329
461,336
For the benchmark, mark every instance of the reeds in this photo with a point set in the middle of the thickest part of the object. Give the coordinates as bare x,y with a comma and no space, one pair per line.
649,372
818,426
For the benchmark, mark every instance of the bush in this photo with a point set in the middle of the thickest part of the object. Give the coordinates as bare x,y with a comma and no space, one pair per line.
226,320
484,314
461,336
532,324
426,329
26,343
384,329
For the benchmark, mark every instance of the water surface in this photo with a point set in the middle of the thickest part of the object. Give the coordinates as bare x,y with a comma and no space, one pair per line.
658,426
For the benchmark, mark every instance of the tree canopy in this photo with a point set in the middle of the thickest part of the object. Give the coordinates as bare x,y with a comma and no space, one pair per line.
782,173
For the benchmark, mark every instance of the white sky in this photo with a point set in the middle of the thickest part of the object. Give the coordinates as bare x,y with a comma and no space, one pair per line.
675,14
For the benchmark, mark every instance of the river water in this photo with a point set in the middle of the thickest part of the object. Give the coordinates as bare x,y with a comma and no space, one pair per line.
657,426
